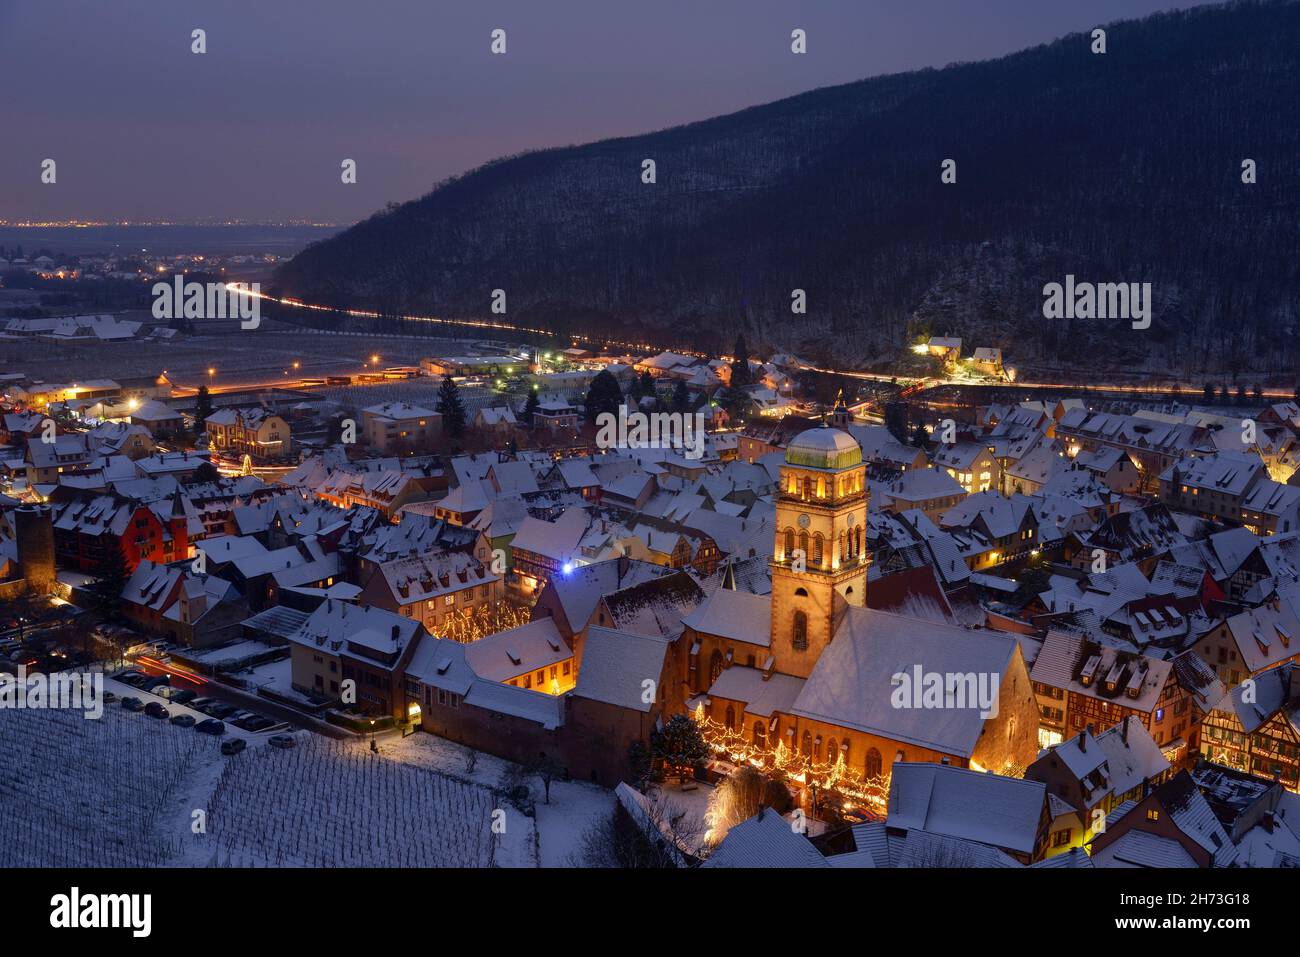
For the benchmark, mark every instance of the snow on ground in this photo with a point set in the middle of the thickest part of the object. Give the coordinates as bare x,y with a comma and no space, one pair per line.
236,651
559,826
273,675
122,791
84,792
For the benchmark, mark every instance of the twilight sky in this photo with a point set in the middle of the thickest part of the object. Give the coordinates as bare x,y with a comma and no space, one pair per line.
256,128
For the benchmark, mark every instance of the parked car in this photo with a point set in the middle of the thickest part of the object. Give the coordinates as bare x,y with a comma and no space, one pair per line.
133,678
203,704
282,741
182,695
154,681
210,726
233,746
109,697
183,720
132,704
155,710
222,711
257,723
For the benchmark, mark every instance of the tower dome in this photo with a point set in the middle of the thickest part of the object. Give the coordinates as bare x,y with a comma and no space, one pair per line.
824,448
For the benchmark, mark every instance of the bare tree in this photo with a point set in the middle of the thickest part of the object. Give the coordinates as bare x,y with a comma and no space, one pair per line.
658,833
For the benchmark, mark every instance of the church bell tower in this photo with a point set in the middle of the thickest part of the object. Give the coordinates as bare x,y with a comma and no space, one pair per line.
819,563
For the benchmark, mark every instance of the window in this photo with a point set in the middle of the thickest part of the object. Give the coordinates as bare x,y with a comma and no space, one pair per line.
731,718
800,638
715,666
805,747
760,736
1153,814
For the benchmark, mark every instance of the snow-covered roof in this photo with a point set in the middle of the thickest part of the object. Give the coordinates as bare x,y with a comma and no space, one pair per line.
616,666
765,840
737,615
1002,812
851,685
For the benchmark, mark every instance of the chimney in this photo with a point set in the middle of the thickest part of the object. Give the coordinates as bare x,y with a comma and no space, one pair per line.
397,633
1123,731
1083,740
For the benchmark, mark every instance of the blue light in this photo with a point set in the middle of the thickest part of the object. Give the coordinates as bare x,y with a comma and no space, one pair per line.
568,567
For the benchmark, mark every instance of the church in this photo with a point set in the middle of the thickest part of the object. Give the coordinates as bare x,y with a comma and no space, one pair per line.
810,672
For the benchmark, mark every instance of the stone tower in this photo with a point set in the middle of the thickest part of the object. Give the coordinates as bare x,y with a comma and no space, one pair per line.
819,563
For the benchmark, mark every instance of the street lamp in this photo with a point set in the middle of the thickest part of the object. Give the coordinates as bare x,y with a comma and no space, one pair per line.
373,746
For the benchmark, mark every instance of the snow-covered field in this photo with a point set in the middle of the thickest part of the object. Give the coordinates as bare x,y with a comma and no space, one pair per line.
574,805
124,790
78,792
333,803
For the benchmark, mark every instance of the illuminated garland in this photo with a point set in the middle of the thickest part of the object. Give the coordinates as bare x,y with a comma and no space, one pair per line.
836,777
470,626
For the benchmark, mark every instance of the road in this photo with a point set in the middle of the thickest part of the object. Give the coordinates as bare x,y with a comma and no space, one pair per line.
646,347
209,688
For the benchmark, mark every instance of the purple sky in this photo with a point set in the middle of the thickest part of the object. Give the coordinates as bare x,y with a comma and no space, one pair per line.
256,128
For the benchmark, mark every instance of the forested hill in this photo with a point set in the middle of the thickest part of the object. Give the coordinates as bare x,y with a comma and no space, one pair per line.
1122,167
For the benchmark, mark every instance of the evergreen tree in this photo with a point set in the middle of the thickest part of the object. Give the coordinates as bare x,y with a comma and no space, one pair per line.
681,398
207,472
920,437
646,385
202,408
740,365
530,407
603,396
896,420
451,408
680,746
111,578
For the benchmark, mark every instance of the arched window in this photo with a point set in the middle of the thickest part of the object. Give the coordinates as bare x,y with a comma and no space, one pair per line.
803,544
844,749
715,666
844,556
832,751
817,549
800,639
789,544
805,747
817,748
731,718
874,764
760,739
807,487
801,592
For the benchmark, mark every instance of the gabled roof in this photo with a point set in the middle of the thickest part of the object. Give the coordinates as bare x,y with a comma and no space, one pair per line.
765,840
616,666
1003,812
737,615
852,683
